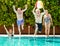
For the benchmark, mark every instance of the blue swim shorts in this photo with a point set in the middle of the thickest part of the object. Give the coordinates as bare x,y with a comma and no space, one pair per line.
19,22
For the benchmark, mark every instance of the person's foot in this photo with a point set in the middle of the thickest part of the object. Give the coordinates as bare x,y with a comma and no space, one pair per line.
35,34
47,35
22,28
39,31
20,33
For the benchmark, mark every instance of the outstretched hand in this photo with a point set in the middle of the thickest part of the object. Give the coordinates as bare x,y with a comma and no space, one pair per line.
26,5
13,6
4,25
12,24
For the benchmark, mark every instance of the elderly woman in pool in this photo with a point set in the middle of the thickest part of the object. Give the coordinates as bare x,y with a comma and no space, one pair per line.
47,20
10,32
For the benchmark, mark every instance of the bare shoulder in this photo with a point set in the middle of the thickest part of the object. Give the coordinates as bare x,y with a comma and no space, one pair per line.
44,16
22,10
50,15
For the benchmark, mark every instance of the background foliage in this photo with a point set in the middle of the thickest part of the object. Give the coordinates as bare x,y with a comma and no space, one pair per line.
7,15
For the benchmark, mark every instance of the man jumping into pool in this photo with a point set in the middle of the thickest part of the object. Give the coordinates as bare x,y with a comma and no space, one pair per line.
38,20
20,20
10,32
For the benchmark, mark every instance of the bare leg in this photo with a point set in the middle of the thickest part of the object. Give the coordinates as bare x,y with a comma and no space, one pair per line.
36,28
13,29
28,29
22,26
48,29
45,29
19,30
54,30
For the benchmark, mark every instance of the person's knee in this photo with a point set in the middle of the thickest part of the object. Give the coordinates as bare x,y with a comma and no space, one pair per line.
36,26
18,27
48,27
22,23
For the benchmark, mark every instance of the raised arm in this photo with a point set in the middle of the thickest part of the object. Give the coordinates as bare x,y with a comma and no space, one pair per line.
33,11
25,8
6,30
14,9
43,12
13,28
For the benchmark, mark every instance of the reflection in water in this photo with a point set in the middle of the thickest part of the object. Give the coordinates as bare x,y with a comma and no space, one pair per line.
10,42
18,41
31,41
35,44
49,41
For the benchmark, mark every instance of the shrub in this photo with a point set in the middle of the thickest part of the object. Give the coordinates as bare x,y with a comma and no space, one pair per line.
7,15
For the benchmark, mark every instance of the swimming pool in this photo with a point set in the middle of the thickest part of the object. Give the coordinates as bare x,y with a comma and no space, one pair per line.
29,41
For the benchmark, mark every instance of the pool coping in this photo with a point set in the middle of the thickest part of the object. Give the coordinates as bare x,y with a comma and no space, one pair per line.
1,35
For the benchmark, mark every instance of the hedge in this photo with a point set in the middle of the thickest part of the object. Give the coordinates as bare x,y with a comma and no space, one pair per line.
7,15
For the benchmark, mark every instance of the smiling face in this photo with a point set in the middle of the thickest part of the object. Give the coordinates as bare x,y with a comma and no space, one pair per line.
37,11
19,10
10,31
46,12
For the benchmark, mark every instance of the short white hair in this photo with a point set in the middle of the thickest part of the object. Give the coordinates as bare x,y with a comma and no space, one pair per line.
37,9
18,8
46,10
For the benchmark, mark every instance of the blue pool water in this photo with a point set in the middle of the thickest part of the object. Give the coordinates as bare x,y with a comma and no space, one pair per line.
30,41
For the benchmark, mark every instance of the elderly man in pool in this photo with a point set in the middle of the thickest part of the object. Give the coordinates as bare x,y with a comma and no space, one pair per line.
10,32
